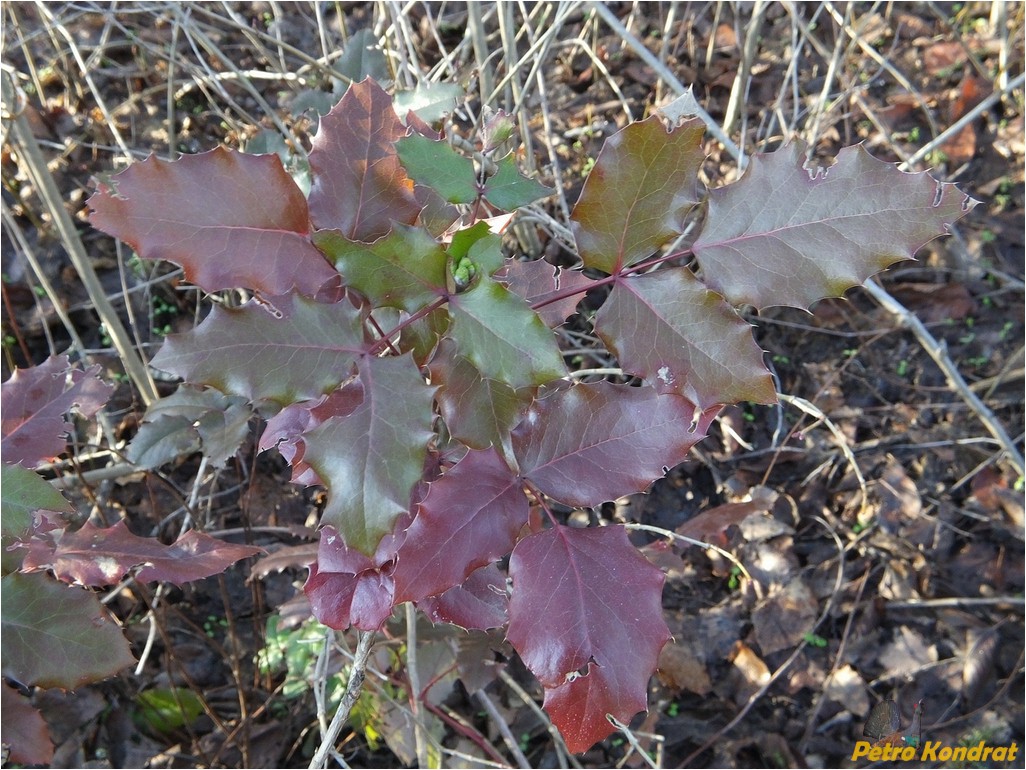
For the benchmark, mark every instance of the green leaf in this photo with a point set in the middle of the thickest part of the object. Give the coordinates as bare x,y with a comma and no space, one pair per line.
508,189
362,58
667,327
438,166
644,181
167,709
480,245
22,493
405,269
56,635
298,349
500,335
371,459
788,235
431,101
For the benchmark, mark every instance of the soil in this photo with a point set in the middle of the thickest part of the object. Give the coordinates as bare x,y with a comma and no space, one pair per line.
868,531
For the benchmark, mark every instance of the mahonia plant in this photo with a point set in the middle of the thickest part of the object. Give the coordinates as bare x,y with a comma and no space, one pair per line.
412,370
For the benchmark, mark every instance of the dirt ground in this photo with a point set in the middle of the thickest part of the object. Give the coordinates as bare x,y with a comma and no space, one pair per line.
892,522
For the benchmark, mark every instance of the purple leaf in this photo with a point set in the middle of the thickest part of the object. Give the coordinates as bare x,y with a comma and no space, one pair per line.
682,338
471,517
537,281
25,730
231,220
93,556
644,181
588,444
359,187
35,401
788,235
586,618
479,603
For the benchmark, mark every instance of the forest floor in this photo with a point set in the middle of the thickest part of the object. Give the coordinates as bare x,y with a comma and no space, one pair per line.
888,559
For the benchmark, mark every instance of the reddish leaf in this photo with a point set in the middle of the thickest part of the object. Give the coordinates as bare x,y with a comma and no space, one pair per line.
586,618
35,402
537,281
371,459
682,338
230,219
644,181
93,556
591,443
470,517
299,349
480,602
359,187
477,411
346,587
56,635
787,235
25,730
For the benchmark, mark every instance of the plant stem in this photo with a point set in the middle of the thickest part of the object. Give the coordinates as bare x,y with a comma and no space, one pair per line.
413,674
345,706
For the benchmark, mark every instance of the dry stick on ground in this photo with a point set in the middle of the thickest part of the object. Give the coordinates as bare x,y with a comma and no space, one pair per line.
356,675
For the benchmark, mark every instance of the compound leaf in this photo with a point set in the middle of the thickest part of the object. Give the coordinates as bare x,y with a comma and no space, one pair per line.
359,187
57,635
230,219
33,427
471,517
299,349
405,269
371,459
94,556
667,327
644,181
501,336
438,166
587,444
586,618
507,189
787,235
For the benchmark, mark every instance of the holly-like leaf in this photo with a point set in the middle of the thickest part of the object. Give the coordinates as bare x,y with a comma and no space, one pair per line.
477,411
33,427
57,635
586,618
405,269
346,587
363,58
507,189
230,219
438,166
540,284
471,516
480,602
25,730
191,420
22,493
371,459
644,181
591,443
94,556
285,430
667,327
788,235
359,187
501,336
299,349
480,245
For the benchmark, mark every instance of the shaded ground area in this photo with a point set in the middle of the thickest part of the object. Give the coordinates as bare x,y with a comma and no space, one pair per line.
868,531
